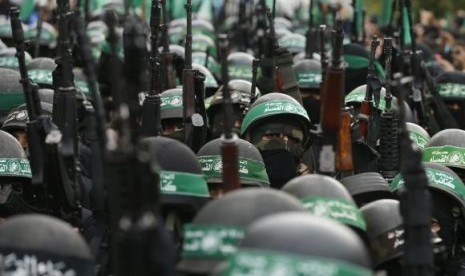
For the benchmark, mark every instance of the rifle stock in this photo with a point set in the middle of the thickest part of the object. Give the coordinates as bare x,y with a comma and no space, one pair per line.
332,105
366,108
229,150
344,161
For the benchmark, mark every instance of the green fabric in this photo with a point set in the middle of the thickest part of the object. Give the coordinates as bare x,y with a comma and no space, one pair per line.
358,96
9,62
271,108
210,241
292,43
406,26
15,167
212,65
8,101
171,102
45,77
239,71
419,139
249,170
357,62
386,13
5,30
180,183
46,36
342,211
447,155
436,179
309,79
451,91
256,262
26,9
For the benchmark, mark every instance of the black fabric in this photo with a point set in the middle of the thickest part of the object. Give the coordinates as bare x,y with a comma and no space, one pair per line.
280,165
312,106
354,78
442,211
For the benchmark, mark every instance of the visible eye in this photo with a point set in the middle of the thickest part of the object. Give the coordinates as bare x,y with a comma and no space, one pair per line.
272,136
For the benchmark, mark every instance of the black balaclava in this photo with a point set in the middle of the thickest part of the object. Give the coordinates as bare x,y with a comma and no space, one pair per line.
281,166
448,213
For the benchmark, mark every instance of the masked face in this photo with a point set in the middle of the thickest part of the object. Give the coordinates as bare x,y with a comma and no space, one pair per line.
217,124
173,128
281,166
457,112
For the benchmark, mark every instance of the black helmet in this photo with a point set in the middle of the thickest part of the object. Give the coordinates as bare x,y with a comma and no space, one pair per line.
32,243
42,63
201,26
240,66
18,117
294,43
13,160
451,88
308,73
210,83
278,113
385,230
171,104
299,244
204,43
40,71
367,187
326,197
357,60
17,196
11,91
171,113
252,170
446,147
440,179
357,96
240,96
9,60
451,85
46,95
211,64
218,228
418,135
182,183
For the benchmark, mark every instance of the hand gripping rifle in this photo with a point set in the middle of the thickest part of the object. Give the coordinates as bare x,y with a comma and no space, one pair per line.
285,77
415,202
373,86
168,73
229,150
138,246
44,141
389,124
151,120
332,104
